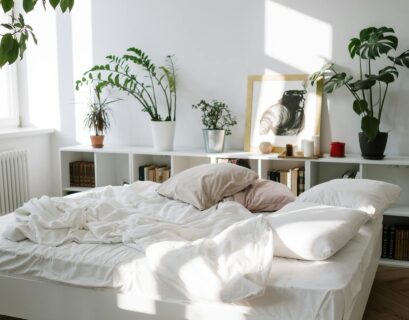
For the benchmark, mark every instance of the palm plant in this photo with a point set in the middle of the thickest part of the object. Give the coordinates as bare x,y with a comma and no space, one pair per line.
141,82
97,118
370,90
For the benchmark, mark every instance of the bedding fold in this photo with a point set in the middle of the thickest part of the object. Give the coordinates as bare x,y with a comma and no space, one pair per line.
230,248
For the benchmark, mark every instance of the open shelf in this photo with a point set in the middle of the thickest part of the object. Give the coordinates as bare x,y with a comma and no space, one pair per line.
394,263
398,211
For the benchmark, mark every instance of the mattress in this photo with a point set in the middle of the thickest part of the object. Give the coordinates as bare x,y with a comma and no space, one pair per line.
296,289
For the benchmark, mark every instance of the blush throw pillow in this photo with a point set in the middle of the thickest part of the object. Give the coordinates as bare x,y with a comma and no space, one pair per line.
311,231
370,196
205,185
264,196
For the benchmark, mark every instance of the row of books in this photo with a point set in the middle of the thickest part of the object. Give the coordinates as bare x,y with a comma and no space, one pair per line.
155,173
82,174
293,178
395,242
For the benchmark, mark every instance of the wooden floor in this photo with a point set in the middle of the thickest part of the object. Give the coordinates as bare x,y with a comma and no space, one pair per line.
389,299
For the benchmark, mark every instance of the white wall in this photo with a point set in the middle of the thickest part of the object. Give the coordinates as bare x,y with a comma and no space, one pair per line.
217,45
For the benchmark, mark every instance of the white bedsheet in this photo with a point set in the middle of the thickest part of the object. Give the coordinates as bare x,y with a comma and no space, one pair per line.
220,254
296,289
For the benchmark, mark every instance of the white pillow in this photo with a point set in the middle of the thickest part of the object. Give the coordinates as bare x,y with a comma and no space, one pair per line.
205,185
370,196
311,231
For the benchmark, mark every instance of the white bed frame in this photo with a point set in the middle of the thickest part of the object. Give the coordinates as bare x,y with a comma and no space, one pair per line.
45,300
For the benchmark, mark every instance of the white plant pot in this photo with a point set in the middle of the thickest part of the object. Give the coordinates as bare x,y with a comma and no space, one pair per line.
163,133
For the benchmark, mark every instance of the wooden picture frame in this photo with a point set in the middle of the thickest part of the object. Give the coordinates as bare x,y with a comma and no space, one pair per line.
278,111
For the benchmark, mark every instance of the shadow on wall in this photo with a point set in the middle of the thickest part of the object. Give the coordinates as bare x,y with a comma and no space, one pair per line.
346,19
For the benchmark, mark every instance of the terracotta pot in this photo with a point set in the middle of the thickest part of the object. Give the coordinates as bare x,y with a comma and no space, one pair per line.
97,141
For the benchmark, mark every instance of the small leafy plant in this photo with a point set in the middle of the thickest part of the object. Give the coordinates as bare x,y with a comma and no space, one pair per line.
370,90
216,115
16,33
97,118
136,75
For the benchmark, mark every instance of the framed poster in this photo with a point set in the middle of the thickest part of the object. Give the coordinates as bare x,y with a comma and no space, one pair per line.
281,111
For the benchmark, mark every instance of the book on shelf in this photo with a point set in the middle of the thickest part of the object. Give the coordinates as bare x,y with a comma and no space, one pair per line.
141,172
292,178
82,174
154,173
395,242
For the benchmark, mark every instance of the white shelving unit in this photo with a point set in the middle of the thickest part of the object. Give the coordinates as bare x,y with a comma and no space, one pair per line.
119,165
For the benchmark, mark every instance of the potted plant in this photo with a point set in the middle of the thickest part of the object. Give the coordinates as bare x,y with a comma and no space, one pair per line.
152,86
370,90
217,119
97,118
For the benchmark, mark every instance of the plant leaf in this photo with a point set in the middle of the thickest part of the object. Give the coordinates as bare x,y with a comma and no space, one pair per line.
336,81
28,5
9,49
373,42
353,46
362,84
360,106
370,126
54,3
7,5
64,4
402,59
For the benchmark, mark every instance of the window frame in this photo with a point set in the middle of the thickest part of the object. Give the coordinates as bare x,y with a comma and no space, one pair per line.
13,119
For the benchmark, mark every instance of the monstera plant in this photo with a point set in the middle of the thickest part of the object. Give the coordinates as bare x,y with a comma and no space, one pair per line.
369,90
14,32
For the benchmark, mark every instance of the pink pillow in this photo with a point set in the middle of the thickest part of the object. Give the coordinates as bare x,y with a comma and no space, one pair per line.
264,196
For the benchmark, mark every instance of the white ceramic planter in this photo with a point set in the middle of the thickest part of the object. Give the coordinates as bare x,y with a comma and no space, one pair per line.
163,133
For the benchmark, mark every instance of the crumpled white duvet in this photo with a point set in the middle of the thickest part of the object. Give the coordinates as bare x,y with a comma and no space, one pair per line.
220,254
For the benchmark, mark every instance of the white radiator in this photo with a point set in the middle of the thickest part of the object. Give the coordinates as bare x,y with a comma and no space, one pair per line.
14,189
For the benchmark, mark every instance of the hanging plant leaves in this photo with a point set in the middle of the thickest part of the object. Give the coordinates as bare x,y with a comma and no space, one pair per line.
54,3
9,49
402,59
28,5
66,5
7,5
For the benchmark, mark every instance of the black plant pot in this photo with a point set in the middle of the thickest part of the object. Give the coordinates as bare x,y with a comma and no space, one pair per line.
374,149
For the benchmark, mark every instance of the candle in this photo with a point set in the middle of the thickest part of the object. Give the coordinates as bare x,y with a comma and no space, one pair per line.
317,147
308,147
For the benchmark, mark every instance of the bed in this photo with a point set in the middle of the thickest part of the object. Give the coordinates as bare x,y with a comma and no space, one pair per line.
91,281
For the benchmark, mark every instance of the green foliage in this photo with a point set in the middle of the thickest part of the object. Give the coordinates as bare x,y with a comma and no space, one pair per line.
16,32
136,75
216,116
97,118
370,89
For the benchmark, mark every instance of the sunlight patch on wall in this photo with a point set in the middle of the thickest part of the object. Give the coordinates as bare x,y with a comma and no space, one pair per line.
295,38
82,53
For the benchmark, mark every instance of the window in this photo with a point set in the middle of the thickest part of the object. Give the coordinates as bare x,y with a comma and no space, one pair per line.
9,115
